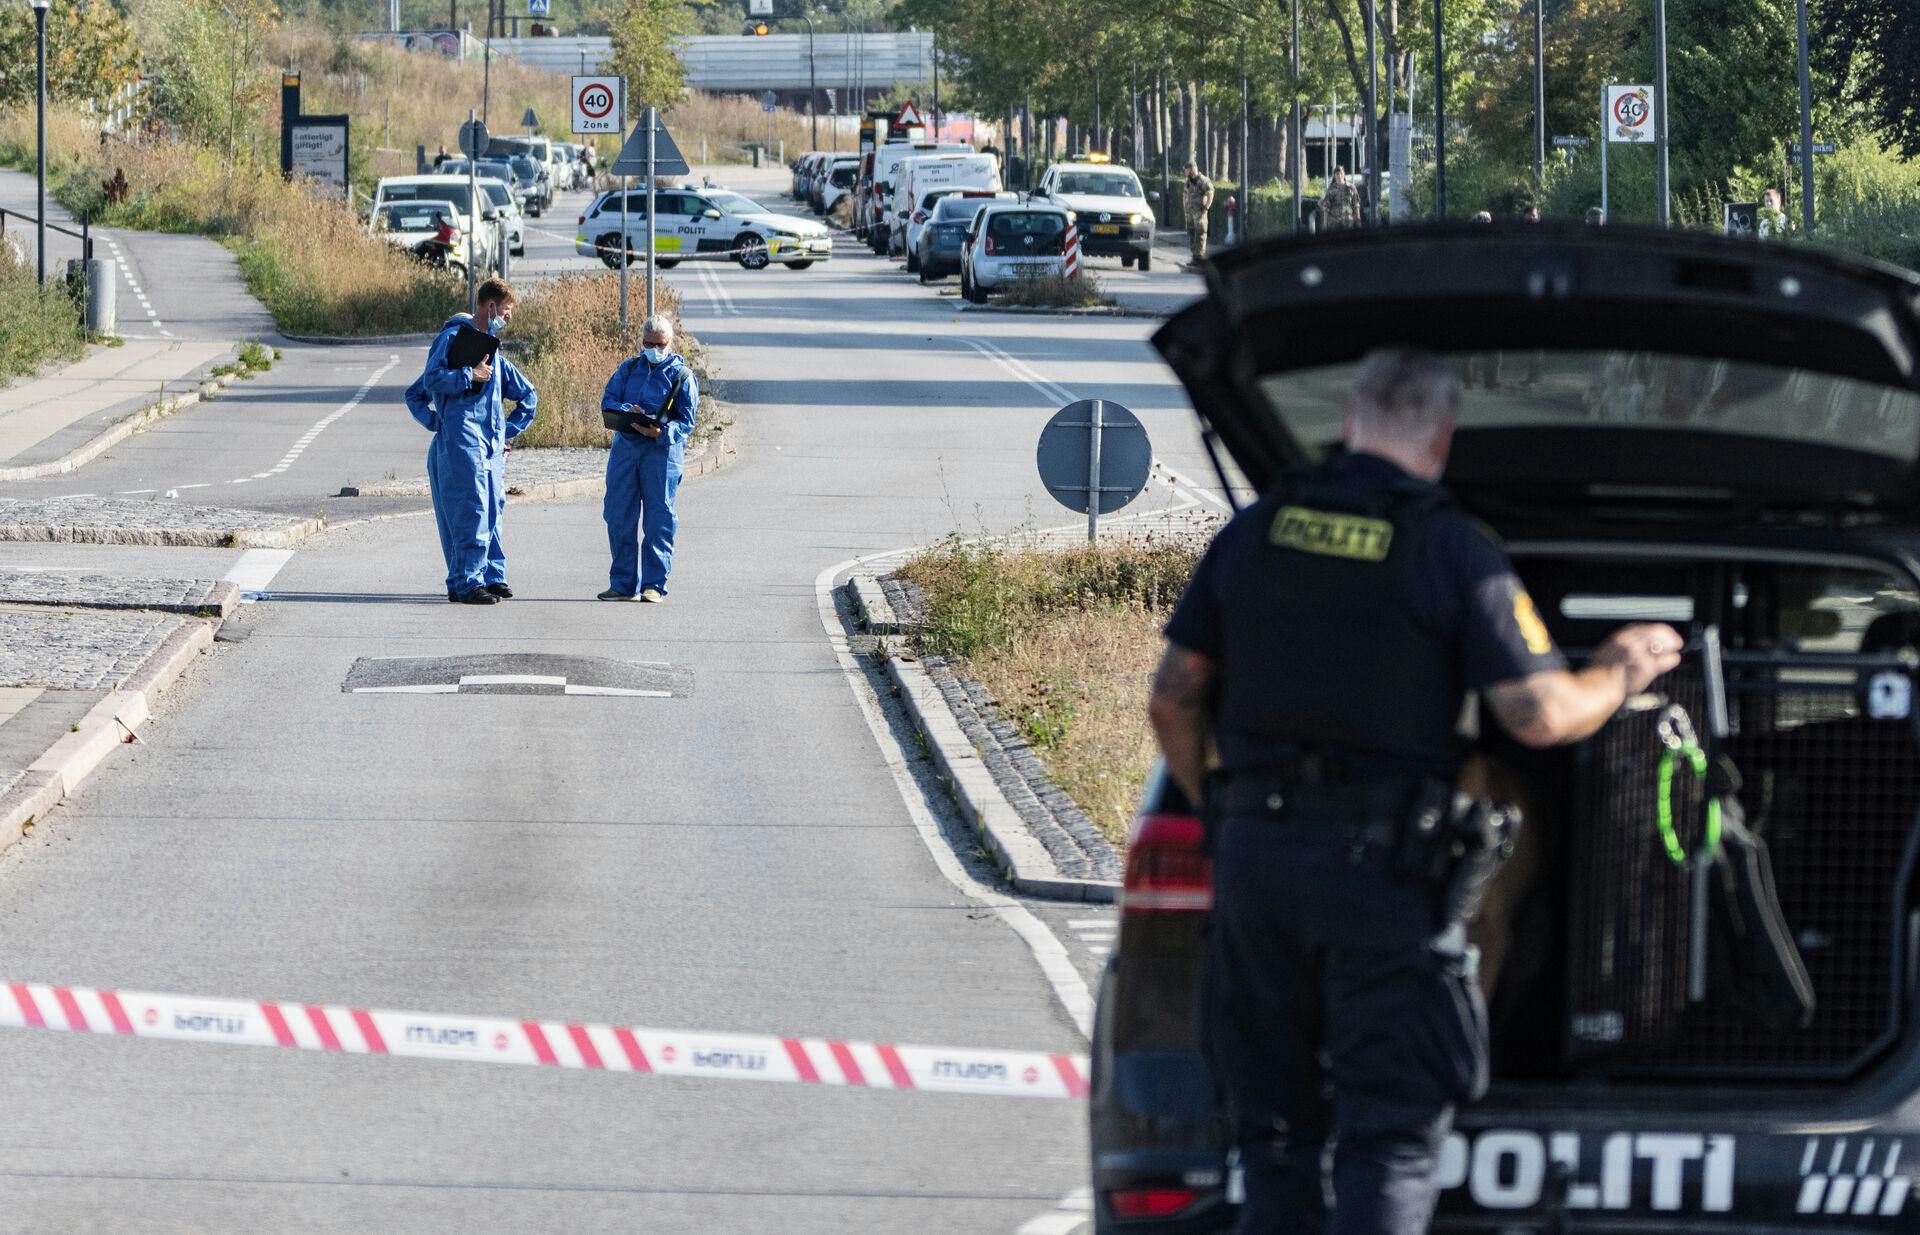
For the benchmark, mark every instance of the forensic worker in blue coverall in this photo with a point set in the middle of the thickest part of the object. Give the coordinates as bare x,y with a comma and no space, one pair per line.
643,468
466,464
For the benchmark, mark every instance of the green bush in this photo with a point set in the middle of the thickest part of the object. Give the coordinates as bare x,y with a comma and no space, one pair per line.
37,324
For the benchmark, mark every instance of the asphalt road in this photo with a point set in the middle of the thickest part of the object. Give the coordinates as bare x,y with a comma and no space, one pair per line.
758,856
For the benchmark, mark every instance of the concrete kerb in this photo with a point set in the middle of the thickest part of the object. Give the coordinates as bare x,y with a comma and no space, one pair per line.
286,536
119,432
1021,859
57,773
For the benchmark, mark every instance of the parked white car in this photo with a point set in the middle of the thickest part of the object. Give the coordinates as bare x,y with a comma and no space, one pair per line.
409,224
707,224
1110,210
1010,241
500,195
488,238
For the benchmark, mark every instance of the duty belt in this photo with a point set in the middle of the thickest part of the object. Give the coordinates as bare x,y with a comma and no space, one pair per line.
1278,796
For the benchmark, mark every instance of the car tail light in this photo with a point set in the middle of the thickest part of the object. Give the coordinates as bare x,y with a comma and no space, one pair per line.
1168,870
1151,1202
992,248
583,218
921,216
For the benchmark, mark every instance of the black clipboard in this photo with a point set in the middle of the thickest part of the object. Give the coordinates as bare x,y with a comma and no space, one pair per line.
470,347
630,422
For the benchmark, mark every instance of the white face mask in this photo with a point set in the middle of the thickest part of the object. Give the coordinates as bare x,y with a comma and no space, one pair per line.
654,355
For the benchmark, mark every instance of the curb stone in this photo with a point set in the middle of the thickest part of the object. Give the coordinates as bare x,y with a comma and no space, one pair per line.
286,536
1020,857
57,773
119,432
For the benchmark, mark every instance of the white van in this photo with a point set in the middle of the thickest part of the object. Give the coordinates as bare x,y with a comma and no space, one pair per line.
886,168
920,179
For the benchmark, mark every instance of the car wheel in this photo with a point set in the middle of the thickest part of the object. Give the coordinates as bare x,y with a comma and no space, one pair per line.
913,261
1127,260
1146,262
608,246
521,251
974,292
925,277
801,265
752,250
666,263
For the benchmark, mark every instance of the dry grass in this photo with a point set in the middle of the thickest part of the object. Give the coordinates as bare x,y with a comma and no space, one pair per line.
1065,641
37,324
1057,291
566,338
730,123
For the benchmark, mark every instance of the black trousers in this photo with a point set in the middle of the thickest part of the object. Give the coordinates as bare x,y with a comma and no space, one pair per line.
1342,1028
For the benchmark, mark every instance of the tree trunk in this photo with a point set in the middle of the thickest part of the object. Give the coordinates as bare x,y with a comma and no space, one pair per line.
1357,70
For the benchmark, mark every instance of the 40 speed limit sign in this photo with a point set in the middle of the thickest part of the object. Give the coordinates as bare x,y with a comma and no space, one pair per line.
596,104
1629,117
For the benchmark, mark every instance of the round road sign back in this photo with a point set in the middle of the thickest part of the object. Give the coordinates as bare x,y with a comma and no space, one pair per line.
473,139
1065,454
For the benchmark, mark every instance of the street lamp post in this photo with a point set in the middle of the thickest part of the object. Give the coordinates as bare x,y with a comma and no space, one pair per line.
1439,115
1373,124
813,84
1806,129
40,97
1299,143
1539,96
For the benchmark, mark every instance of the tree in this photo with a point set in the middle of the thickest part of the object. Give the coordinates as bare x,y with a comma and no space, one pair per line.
643,51
212,80
90,54
1874,46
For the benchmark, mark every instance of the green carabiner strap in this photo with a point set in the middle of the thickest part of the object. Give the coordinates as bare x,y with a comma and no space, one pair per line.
1663,815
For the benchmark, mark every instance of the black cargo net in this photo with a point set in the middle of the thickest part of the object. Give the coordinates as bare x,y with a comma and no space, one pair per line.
1836,797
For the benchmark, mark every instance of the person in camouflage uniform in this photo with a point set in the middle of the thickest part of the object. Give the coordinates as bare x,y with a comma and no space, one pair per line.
1340,203
1196,198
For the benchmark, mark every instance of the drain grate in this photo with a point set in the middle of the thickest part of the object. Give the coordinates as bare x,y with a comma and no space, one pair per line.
530,673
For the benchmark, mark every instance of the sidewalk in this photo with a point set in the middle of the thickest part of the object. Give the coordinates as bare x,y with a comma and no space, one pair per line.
47,418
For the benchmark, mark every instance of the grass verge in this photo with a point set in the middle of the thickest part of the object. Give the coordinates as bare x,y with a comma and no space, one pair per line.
565,337
38,324
1057,291
1066,641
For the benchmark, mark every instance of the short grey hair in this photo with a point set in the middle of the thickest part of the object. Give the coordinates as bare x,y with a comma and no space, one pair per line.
657,323
1404,393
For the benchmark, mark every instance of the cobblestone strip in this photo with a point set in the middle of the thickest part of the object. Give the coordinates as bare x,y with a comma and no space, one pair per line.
51,587
1070,838
121,521
78,650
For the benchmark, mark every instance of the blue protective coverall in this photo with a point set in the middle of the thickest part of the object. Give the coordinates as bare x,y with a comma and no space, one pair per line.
643,473
466,464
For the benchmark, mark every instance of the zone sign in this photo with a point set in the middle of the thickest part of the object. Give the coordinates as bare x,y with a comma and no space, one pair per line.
596,104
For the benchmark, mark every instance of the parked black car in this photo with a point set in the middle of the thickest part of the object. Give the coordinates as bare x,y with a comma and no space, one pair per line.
1660,425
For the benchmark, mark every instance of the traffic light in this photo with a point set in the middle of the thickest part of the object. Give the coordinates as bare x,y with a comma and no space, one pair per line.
757,29
539,30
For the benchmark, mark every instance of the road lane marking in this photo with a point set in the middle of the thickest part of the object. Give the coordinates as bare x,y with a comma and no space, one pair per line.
710,1055
299,447
1048,952
1073,1215
255,569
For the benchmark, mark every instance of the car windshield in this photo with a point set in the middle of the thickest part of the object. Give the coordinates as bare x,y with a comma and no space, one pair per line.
523,167
1018,226
954,208
1098,184
497,193
733,203
500,168
454,191
843,176
1515,391
413,216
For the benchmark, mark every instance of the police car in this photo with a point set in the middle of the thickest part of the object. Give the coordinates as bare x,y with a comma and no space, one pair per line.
701,225
1110,210
1689,1032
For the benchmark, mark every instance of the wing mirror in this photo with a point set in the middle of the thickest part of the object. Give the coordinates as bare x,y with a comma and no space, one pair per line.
1153,195
710,213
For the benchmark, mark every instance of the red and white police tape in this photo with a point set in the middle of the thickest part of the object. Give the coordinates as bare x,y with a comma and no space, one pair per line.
558,1044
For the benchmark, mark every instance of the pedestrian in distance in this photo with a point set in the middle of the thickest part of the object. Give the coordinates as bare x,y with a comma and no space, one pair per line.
1596,216
464,406
1483,216
1773,223
1530,214
658,395
1322,653
1196,198
1339,202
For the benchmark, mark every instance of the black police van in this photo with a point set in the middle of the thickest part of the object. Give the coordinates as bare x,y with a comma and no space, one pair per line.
1663,426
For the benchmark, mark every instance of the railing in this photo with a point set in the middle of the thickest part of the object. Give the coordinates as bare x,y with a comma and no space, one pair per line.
84,235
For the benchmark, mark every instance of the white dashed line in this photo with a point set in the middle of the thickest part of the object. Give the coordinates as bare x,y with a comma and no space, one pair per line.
320,426
205,484
131,492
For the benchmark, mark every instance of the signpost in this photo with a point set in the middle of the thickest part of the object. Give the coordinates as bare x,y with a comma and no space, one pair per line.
769,101
318,148
1571,143
595,100
530,122
473,144
1818,148
1627,117
1094,456
649,151
539,8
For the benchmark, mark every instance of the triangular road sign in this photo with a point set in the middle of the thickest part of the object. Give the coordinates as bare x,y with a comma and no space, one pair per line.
667,159
529,121
909,117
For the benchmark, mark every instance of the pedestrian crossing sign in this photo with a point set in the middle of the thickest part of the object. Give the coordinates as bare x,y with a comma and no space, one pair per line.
539,8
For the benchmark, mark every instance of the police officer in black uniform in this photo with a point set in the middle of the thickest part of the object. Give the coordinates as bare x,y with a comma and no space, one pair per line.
1320,660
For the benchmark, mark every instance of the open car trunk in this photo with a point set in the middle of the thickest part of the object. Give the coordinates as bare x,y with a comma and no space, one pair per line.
1719,435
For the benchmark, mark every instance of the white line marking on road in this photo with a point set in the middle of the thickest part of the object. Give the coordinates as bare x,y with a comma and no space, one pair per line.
205,484
1088,924
1100,949
1048,951
447,688
130,492
320,426
620,691
68,495
1071,1216
511,679
255,569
